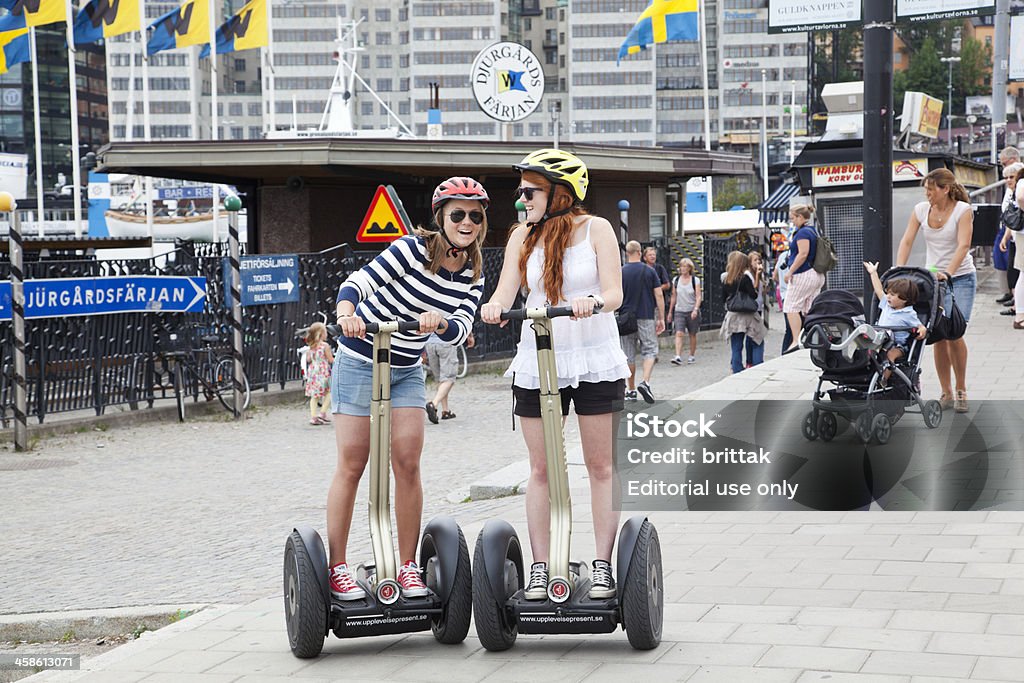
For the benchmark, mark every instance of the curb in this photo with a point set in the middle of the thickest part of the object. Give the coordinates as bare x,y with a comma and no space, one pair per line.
508,481
87,624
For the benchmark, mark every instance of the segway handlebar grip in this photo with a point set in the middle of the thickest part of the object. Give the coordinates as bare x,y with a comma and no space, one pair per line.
334,330
544,312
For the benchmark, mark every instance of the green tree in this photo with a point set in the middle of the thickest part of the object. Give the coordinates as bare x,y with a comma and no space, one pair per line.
970,74
731,194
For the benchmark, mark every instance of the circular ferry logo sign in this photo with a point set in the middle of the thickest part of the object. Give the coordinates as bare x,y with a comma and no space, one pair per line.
508,81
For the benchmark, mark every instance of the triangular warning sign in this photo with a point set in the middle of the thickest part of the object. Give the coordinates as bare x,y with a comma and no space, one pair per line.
384,219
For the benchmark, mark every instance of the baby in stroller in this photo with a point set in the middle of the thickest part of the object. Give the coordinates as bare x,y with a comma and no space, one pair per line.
875,369
896,305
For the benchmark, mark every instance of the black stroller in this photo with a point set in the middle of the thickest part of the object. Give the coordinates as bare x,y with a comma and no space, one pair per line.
852,356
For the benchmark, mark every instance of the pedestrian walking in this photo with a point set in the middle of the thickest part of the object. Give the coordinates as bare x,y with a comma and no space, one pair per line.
318,373
1009,159
651,259
687,295
642,296
948,223
433,276
1016,236
566,257
741,319
443,360
756,273
804,282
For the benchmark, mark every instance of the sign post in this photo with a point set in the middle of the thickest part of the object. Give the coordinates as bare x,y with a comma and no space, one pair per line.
8,205
233,204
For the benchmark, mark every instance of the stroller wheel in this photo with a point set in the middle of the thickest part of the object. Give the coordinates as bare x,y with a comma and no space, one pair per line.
932,414
809,427
882,428
863,426
827,426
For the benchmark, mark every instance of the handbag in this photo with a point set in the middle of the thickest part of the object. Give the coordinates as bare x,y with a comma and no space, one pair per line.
741,302
948,328
626,320
1013,218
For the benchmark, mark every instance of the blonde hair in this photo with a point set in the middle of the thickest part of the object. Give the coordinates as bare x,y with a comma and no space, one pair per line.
687,263
1012,169
943,178
556,233
437,245
805,211
316,333
735,265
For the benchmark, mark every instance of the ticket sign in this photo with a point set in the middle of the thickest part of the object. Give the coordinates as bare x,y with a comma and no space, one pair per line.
833,175
930,10
792,16
385,220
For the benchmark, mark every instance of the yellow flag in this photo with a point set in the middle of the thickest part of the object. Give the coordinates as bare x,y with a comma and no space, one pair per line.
41,12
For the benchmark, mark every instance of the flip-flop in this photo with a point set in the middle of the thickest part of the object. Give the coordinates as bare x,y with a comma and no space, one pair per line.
447,415
431,412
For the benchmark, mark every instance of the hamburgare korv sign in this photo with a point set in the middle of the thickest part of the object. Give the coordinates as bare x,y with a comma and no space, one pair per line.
508,81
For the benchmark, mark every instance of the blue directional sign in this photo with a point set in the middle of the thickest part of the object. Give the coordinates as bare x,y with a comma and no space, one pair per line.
266,279
62,297
187,192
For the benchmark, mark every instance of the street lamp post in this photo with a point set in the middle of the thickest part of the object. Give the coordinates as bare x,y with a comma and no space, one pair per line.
764,132
949,89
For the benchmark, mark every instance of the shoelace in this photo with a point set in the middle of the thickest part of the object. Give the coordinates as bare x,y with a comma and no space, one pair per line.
539,577
602,575
344,579
409,577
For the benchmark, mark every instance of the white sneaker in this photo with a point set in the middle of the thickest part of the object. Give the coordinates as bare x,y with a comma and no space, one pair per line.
678,360
537,589
691,360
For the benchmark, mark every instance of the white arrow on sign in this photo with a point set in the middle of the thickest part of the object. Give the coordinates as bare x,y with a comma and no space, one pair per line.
288,286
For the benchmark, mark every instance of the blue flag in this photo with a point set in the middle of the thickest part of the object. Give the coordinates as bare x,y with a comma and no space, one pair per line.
14,46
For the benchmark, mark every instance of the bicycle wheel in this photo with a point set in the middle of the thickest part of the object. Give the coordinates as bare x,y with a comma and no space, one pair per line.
463,362
225,389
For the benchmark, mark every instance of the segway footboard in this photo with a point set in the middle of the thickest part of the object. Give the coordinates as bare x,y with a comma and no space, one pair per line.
580,614
369,618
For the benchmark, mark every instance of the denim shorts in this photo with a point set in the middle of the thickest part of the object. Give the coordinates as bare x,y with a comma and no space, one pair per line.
964,288
352,381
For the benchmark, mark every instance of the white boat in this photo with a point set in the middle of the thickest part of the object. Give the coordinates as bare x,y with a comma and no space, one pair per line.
198,227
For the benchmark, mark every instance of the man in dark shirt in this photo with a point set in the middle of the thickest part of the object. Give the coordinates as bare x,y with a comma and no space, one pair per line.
641,294
651,259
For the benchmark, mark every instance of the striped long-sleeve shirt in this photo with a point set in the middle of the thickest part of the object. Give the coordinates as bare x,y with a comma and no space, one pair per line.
398,286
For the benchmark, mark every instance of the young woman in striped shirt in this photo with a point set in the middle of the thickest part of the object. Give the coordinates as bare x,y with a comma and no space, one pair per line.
434,277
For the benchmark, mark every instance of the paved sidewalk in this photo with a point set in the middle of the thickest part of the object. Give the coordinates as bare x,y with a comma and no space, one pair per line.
794,596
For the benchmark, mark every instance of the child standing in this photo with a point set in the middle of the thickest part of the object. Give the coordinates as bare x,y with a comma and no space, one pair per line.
896,303
318,373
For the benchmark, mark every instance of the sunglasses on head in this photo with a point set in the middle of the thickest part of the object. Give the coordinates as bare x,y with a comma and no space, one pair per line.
527,192
458,215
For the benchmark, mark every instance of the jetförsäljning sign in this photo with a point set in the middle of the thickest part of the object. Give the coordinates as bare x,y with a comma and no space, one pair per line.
63,297
508,81
265,279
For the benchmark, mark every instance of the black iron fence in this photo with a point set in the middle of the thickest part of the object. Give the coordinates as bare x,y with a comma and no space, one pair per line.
94,362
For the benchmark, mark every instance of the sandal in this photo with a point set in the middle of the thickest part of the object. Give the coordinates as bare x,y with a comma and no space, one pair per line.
946,401
447,415
322,420
431,412
960,402
315,421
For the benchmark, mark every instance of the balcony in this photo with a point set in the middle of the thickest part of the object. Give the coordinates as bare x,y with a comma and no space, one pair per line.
530,8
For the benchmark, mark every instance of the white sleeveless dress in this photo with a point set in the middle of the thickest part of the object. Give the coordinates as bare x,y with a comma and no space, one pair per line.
586,350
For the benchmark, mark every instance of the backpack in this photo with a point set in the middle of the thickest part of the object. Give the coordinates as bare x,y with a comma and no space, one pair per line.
825,257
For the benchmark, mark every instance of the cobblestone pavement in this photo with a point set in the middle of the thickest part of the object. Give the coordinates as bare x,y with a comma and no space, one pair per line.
164,513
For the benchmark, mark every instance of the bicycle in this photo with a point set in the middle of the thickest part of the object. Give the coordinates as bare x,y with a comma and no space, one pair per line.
203,368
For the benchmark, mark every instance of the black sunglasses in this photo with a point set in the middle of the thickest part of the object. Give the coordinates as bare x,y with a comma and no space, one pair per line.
458,215
527,192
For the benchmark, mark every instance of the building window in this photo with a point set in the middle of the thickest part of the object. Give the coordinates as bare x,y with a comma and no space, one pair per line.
383,38
383,85
366,108
383,61
234,109
239,86
382,14
239,65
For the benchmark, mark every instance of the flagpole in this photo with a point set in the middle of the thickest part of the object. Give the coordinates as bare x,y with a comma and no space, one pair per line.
194,91
129,124
38,131
76,167
701,29
147,131
764,131
214,132
270,66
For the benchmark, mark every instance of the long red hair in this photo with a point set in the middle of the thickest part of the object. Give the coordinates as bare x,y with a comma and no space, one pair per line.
556,234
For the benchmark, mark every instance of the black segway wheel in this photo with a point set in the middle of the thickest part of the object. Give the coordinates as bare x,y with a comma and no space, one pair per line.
932,414
828,426
809,426
882,429
496,631
452,626
304,608
643,595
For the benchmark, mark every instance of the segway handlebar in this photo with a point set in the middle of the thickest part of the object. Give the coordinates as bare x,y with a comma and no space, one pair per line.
392,326
540,312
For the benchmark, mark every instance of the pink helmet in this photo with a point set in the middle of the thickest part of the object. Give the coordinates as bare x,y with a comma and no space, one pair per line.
459,187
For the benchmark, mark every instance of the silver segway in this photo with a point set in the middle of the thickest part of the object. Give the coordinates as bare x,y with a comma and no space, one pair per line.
310,611
499,607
